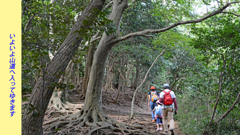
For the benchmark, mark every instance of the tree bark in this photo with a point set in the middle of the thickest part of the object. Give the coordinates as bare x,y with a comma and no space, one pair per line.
94,89
122,77
78,78
110,74
137,76
73,76
87,70
32,124
67,78
129,70
120,80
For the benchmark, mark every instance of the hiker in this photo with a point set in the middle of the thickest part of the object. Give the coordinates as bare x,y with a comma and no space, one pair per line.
152,99
167,98
158,115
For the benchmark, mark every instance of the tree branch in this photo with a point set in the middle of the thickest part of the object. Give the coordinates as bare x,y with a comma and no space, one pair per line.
220,2
175,81
229,110
205,2
24,8
219,89
231,13
132,106
95,39
142,33
108,5
129,4
150,69
147,35
29,22
121,75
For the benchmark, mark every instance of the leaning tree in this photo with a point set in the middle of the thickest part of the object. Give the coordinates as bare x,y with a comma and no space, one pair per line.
33,116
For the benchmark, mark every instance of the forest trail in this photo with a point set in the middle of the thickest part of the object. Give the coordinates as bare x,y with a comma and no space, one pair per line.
141,119
121,111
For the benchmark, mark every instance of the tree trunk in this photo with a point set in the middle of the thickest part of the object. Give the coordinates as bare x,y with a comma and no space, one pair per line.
120,81
39,99
129,71
78,78
87,70
73,76
124,69
67,78
68,72
92,113
109,76
137,76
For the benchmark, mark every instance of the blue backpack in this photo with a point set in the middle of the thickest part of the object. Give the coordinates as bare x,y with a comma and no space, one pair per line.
158,110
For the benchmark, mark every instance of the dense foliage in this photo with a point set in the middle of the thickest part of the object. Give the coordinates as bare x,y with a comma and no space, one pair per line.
218,75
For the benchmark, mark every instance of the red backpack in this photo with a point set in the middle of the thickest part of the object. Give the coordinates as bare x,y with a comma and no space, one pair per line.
167,99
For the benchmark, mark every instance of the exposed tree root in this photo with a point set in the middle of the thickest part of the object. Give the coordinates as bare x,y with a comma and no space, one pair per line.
97,129
56,106
97,121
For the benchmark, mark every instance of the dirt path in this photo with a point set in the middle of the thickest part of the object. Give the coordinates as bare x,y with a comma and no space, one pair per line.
142,119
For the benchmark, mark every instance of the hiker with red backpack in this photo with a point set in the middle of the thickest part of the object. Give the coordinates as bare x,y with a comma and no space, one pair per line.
158,115
167,97
152,99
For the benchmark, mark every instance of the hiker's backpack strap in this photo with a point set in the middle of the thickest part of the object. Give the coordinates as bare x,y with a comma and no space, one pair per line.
152,93
167,92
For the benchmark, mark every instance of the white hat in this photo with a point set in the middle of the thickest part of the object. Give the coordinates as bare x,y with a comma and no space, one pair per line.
166,85
158,102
